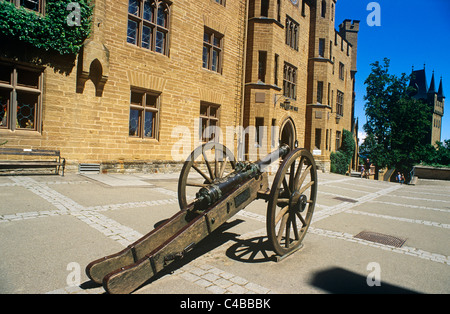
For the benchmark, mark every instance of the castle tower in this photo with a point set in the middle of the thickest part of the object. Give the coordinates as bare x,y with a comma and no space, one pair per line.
435,101
331,76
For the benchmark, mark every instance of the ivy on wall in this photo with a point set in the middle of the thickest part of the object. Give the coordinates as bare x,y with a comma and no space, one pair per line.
53,31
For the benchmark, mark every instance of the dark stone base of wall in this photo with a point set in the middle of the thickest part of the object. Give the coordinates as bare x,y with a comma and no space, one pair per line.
425,172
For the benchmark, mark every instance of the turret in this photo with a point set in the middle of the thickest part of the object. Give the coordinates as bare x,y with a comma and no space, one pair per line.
349,31
441,91
432,89
419,83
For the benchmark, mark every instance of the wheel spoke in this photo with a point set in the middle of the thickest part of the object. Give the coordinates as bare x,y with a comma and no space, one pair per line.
302,177
281,202
299,169
286,186
307,186
281,214
294,227
282,226
222,169
196,184
208,166
301,218
287,241
202,173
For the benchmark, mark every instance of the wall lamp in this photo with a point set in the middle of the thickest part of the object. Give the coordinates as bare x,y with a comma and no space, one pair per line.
286,105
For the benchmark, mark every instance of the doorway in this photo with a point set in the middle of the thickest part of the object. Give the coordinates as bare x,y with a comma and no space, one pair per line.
287,134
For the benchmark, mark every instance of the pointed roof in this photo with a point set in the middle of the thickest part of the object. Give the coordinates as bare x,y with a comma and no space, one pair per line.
432,88
441,90
419,82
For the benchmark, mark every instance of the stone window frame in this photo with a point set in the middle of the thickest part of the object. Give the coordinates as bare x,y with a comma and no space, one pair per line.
338,140
292,33
221,2
149,102
147,19
208,121
212,54
341,71
320,86
39,5
290,81
322,47
13,89
340,103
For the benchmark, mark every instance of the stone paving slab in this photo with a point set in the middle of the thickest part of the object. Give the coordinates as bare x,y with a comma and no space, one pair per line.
76,219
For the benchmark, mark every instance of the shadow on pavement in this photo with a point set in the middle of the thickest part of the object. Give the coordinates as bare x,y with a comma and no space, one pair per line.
341,281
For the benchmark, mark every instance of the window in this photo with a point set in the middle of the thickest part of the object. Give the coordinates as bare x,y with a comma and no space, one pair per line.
34,5
324,8
274,133
277,57
144,114
338,140
340,103
212,50
318,139
265,8
148,25
20,97
319,92
329,94
331,133
290,81
341,70
209,120
322,47
331,49
279,10
222,2
259,134
292,28
262,60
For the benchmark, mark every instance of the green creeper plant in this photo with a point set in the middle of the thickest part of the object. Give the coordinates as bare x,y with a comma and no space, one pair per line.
52,31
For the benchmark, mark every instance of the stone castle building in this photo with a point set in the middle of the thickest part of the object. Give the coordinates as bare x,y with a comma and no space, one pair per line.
434,99
156,77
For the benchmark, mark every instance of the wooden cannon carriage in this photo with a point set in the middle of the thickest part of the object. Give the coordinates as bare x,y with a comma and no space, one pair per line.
212,188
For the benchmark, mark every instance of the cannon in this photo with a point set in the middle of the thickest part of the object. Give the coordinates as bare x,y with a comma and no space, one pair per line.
212,188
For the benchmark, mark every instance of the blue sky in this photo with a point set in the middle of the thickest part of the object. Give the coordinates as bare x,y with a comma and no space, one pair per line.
412,33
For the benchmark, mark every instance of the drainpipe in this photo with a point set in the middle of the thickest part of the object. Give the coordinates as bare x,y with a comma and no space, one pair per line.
244,65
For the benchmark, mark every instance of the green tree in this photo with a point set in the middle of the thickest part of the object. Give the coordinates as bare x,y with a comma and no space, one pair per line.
396,123
340,160
437,156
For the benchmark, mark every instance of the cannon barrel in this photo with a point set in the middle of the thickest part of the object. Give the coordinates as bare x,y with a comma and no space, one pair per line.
212,193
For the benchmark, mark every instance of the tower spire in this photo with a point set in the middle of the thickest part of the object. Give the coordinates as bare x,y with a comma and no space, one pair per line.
432,88
441,90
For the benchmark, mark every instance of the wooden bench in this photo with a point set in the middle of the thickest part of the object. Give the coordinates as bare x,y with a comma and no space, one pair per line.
57,162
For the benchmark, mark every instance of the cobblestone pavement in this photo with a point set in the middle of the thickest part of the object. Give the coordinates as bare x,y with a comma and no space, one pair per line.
52,227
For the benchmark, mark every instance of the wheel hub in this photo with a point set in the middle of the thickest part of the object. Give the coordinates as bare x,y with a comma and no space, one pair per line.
297,202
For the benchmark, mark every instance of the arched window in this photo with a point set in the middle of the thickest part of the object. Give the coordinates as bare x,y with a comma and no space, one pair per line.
292,28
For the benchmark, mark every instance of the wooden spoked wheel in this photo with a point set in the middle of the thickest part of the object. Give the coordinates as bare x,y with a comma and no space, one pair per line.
205,165
291,202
